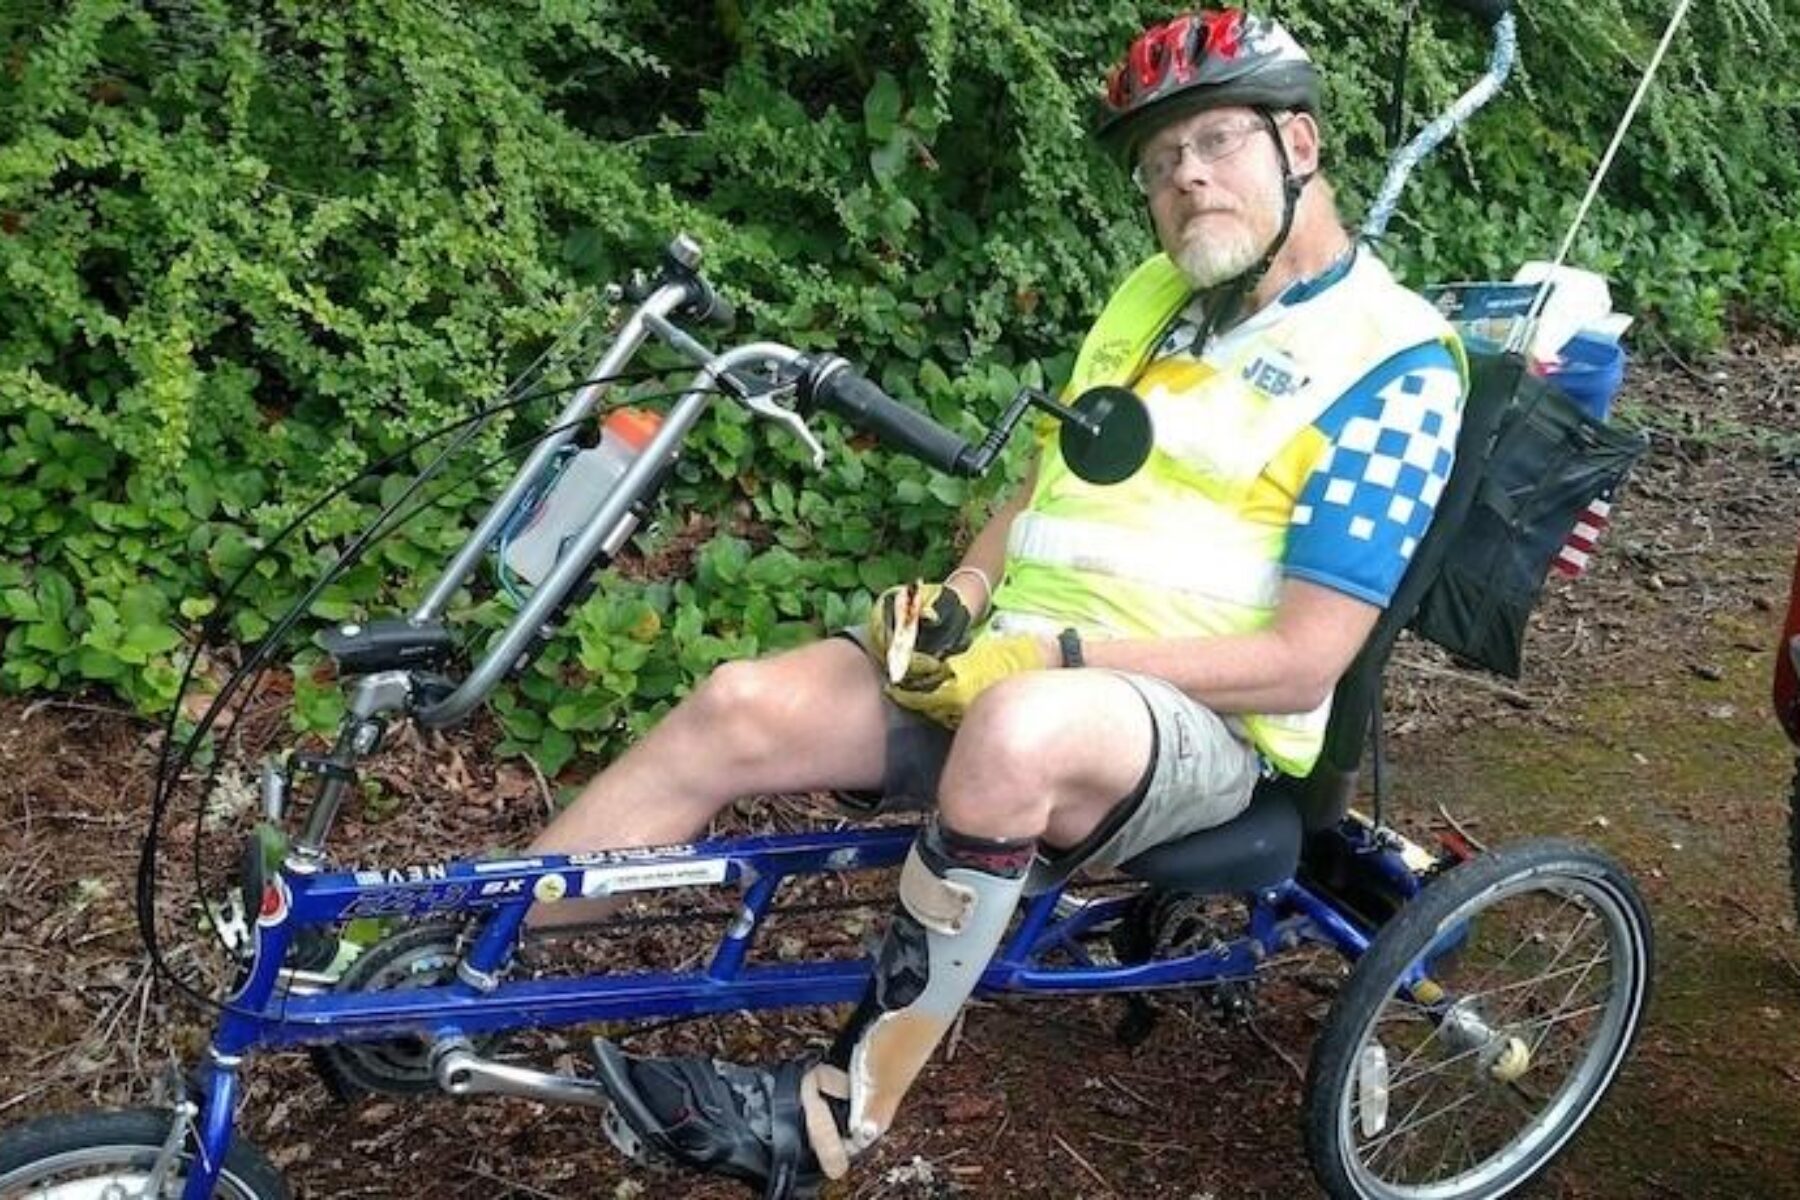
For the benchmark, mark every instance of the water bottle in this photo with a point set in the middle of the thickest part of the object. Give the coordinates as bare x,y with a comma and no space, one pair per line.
577,493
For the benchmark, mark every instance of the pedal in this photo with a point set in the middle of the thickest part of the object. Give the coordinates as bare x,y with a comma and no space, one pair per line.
1139,1022
1232,1003
625,1140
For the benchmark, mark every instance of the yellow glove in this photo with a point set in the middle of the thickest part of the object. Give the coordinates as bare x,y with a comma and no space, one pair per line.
945,695
914,626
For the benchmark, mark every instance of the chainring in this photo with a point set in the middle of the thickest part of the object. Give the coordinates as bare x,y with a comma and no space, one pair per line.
421,956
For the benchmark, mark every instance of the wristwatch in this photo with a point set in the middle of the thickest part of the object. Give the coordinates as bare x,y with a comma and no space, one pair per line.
1070,642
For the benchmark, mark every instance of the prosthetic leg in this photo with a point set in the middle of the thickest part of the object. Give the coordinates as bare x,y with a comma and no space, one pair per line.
781,1129
957,894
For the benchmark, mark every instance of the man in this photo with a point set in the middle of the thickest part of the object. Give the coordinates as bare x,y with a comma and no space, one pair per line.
1141,653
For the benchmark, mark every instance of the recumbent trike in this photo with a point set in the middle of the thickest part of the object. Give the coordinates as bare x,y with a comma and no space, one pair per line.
1490,1003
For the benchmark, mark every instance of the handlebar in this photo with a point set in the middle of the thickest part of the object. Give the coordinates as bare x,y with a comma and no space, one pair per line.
833,384
709,306
1101,439
680,268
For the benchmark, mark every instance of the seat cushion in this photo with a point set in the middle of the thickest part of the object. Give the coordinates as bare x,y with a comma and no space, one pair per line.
1258,848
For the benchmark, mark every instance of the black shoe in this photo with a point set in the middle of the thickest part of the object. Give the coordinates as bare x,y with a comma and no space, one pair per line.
707,1115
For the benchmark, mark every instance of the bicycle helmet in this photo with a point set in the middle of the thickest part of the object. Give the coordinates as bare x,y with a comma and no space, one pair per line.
1202,60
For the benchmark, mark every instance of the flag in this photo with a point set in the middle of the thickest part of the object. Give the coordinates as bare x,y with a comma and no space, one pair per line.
1578,548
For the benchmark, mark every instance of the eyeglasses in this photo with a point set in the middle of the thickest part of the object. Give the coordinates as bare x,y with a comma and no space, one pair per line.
1157,167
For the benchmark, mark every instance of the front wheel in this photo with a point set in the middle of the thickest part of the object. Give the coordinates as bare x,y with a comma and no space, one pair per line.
86,1156
1481,1028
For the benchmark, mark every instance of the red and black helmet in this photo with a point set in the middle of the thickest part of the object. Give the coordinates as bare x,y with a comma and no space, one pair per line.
1202,60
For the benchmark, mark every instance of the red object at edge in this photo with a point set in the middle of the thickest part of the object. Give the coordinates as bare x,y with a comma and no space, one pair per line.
1787,677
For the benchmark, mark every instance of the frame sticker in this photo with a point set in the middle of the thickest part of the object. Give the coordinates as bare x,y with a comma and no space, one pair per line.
428,873
494,866
609,881
276,901
549,889
596,858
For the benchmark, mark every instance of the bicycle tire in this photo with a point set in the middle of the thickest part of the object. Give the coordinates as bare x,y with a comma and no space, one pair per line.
1350,1078
120,1145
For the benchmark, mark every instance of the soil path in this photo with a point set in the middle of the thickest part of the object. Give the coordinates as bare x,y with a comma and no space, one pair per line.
1642,725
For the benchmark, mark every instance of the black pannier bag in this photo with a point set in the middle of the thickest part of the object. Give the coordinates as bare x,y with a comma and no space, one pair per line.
1545,462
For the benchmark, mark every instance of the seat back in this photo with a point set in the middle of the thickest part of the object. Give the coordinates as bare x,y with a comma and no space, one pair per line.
1324,795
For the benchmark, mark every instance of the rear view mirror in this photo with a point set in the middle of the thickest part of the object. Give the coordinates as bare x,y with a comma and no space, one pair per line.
1111,437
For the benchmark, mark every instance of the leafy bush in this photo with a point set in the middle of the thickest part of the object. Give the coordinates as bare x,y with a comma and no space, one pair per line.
248,249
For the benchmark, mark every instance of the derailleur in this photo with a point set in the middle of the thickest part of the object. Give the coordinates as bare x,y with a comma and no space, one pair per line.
1163,924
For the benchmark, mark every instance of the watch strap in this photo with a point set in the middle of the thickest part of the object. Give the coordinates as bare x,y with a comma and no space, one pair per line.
1069,642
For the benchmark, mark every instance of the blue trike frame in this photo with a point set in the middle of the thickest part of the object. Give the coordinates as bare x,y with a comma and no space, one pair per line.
264,1013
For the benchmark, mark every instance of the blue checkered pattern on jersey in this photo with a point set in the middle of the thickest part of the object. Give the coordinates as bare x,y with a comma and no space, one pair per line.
1370,496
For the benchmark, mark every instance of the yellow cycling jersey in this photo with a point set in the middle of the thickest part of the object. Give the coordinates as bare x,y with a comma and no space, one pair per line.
1196,542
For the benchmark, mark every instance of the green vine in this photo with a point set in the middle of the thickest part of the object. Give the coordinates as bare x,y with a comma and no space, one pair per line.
248,249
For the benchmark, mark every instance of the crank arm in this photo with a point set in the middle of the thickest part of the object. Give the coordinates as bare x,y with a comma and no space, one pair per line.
462,1072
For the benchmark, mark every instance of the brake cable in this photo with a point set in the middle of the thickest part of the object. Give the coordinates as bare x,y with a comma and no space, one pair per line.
176,754
377,530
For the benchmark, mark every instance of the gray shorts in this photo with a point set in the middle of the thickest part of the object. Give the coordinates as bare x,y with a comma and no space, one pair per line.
1201,774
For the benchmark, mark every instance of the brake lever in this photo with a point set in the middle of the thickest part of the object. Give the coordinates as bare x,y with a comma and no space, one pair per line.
763,405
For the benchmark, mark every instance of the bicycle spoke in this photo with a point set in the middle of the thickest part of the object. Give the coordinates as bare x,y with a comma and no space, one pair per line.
1550,968
1529,939
1420,1015
1435,1068
1410,1113
1538,936
1540,1025
1561,1006
1471,997
1412,1126
1464,1130
1580,970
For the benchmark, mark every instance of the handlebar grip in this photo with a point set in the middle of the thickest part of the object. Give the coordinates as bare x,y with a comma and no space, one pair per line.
709,306
1488,12
722,313
831,383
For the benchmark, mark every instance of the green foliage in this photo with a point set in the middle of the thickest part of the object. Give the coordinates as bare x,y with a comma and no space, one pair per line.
249,249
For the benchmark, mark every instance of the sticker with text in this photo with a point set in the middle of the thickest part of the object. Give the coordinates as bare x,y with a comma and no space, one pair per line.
609,881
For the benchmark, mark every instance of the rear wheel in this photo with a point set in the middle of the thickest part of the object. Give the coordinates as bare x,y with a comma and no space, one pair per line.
1482,1027
98,1156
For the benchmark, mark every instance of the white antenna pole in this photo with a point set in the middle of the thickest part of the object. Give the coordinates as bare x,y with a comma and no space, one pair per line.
1605,164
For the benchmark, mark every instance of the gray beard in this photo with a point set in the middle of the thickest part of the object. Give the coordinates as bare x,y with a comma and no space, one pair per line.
1207,264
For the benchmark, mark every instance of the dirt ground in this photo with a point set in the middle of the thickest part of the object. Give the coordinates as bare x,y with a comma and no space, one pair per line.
1642,725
